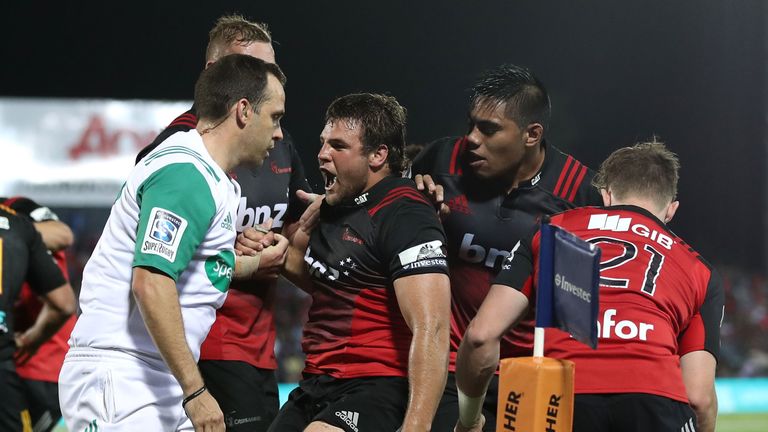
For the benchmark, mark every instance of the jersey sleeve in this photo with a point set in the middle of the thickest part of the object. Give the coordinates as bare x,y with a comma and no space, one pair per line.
298,181
31,209
703,331
43,274
517,270
411,239
176,210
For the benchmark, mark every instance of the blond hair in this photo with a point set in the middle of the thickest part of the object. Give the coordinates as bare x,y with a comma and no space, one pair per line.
231,29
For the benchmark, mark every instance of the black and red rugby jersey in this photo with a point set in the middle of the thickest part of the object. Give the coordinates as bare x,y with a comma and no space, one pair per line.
359,248
244,329
654,289
23,257
485,223
45,365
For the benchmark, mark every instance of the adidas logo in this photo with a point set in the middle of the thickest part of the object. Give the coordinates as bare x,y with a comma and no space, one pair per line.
459,204
92,427
349,417
227,224
609,223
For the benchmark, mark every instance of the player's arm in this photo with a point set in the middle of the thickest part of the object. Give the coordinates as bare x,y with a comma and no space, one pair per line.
58,305
46,279
425,301
158,302
261,254
179,193
289,255
699,346
296,269
56,234
698,369
478,355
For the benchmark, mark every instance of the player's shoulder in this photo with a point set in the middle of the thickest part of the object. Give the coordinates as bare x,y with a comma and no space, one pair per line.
440,157
182,123
30,209
567,178
178,152
11,220
391,195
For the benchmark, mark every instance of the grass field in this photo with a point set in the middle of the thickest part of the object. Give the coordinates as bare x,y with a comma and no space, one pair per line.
757,422
725,423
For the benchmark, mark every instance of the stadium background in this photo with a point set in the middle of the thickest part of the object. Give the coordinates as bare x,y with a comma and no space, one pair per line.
692,72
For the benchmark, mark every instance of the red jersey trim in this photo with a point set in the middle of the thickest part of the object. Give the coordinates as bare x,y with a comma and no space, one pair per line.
563,172
9,202
394,195
577,184
458,146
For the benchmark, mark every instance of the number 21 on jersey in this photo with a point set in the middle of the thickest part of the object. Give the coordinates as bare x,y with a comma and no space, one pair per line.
617,253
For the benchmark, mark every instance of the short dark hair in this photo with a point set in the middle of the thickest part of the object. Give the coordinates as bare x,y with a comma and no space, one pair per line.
382,121
525,97
234,29
230,79
646,169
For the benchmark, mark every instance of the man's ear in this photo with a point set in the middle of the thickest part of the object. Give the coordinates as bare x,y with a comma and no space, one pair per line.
243,112
534,133
671,209
378,157
606,194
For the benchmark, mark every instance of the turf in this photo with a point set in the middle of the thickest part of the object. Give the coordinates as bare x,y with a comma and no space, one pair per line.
757,422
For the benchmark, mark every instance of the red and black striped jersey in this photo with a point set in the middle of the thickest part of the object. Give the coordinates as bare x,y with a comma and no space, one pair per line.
23,257
355,327
485,223
654,291
244,329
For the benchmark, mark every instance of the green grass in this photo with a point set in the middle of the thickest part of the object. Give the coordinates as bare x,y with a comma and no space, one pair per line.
757,422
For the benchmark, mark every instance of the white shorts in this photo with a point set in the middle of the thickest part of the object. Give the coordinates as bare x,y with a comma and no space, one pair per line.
107,390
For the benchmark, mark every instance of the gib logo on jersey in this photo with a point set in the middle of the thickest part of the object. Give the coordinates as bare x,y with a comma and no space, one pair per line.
163,233
615,223
428,254
477,254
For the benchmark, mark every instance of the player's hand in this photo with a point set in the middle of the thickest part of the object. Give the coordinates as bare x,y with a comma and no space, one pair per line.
311,216
205,414
253,240
273,259
27,344
477,427
435,192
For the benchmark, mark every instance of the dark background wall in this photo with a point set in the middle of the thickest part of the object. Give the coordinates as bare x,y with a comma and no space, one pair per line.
691,72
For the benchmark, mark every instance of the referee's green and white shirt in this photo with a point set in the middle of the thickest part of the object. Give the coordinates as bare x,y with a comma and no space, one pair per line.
174,214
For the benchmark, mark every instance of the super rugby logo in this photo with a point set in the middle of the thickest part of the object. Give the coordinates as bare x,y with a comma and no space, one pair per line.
163,233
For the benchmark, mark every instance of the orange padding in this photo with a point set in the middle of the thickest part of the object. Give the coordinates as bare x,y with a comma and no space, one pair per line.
535,394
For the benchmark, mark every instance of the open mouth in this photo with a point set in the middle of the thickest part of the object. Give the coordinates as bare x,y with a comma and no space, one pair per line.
330,179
